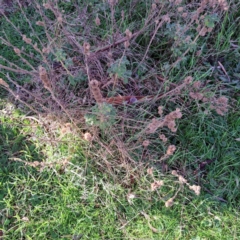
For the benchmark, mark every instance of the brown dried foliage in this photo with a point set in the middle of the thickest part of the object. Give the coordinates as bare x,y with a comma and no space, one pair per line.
103,53
95,90
3,83
182,181
220,105
44,77
168,120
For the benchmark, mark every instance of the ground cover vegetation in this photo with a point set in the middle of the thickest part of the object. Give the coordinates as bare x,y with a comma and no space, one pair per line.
119,119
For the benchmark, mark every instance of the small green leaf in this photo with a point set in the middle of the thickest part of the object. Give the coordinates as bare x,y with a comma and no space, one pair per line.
119,68
60,55
210,20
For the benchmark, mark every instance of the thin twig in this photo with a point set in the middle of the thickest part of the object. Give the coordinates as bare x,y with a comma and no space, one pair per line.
222,67
150,43
114,44
22,71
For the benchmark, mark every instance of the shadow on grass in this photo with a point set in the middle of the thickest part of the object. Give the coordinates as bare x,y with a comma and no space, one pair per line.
13,144
30,199
46,204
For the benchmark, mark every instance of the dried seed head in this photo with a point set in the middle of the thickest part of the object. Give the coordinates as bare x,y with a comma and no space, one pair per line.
47,6
223,4
196,95
177,2
95,90
25,219
154,6
172,116
181,179
35,164
196,189
180,9
156,184
177,113
154,125
88,137
40,23
97,21
205,99
172,126
46,50
220,105
166,18
222,100
44,77
3,83
131,196
86,48
146,143
169,119
150,171
163,138
126,44
66,128
188,39
128,34
174,173
197,85
219,111
160,110
60,19
171,149
17,51
26,40
188,80
169,202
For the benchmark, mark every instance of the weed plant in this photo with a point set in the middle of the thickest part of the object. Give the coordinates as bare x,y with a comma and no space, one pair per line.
141,100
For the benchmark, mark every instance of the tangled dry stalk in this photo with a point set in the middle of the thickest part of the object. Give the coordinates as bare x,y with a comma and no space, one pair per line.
70,72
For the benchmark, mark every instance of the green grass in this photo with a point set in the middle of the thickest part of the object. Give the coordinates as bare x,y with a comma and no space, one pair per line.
90,196
80,200
56,204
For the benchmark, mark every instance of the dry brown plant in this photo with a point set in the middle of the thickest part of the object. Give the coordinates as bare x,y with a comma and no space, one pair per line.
169,202
155,185
97,21
88,137
146,143
139,102
44,77
163,138
95,90
182,181
220,105
42,165
168,120
3,83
